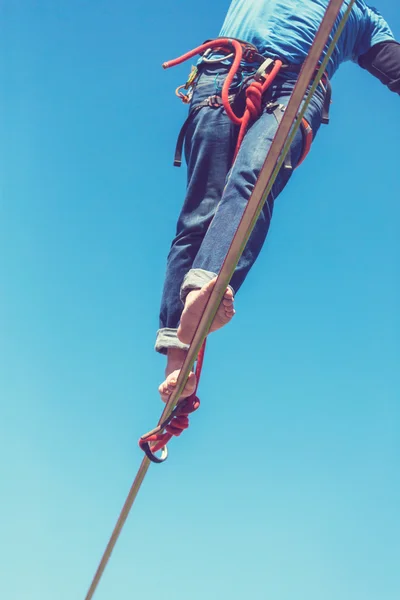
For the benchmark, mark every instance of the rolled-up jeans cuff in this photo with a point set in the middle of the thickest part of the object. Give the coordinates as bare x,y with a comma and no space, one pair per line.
168,338
195,279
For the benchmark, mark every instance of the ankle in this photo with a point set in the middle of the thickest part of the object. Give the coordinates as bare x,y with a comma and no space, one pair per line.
191,294
175,359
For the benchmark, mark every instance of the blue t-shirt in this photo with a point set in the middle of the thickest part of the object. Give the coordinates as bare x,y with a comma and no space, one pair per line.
287,28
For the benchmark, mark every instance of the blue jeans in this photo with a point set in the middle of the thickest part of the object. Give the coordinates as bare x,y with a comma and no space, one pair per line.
217,194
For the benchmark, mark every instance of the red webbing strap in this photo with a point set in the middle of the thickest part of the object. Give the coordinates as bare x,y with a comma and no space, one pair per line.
308,140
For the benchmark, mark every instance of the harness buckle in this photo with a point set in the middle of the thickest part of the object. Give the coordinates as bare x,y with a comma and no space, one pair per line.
214,101
271,107
263,69
249,53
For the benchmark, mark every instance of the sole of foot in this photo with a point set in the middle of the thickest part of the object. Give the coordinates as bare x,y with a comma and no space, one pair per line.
195,303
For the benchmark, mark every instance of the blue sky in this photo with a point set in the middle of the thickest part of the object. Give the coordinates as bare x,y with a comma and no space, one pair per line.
287,485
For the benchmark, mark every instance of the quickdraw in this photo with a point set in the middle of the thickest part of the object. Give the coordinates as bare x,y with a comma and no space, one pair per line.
186,95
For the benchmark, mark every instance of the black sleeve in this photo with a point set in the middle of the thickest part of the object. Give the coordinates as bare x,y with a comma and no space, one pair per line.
383,61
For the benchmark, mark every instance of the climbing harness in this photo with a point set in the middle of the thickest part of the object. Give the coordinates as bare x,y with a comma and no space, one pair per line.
248,99
281,143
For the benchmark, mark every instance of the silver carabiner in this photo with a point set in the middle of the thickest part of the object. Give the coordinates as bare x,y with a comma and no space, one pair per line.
263,68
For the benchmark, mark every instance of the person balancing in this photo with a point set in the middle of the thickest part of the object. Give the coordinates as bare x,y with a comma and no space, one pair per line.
235,110
246,82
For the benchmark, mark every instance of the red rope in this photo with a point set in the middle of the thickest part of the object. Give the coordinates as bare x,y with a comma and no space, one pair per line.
254,94
309,136
179,423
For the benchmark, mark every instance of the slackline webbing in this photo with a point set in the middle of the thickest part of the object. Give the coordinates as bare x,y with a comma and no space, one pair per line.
275,158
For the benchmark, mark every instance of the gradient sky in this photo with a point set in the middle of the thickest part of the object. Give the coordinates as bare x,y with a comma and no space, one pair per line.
287,486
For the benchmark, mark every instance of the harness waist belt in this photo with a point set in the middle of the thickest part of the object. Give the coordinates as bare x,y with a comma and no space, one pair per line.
239,51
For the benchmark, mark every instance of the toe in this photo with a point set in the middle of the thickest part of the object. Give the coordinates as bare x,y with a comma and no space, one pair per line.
164,392
190,385
171,384
228,294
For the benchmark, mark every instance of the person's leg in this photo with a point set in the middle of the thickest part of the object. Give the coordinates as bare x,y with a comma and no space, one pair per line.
239,186
175,360
209,150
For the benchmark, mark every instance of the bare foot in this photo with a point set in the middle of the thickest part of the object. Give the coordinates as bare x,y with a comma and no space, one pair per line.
195,303
176,359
